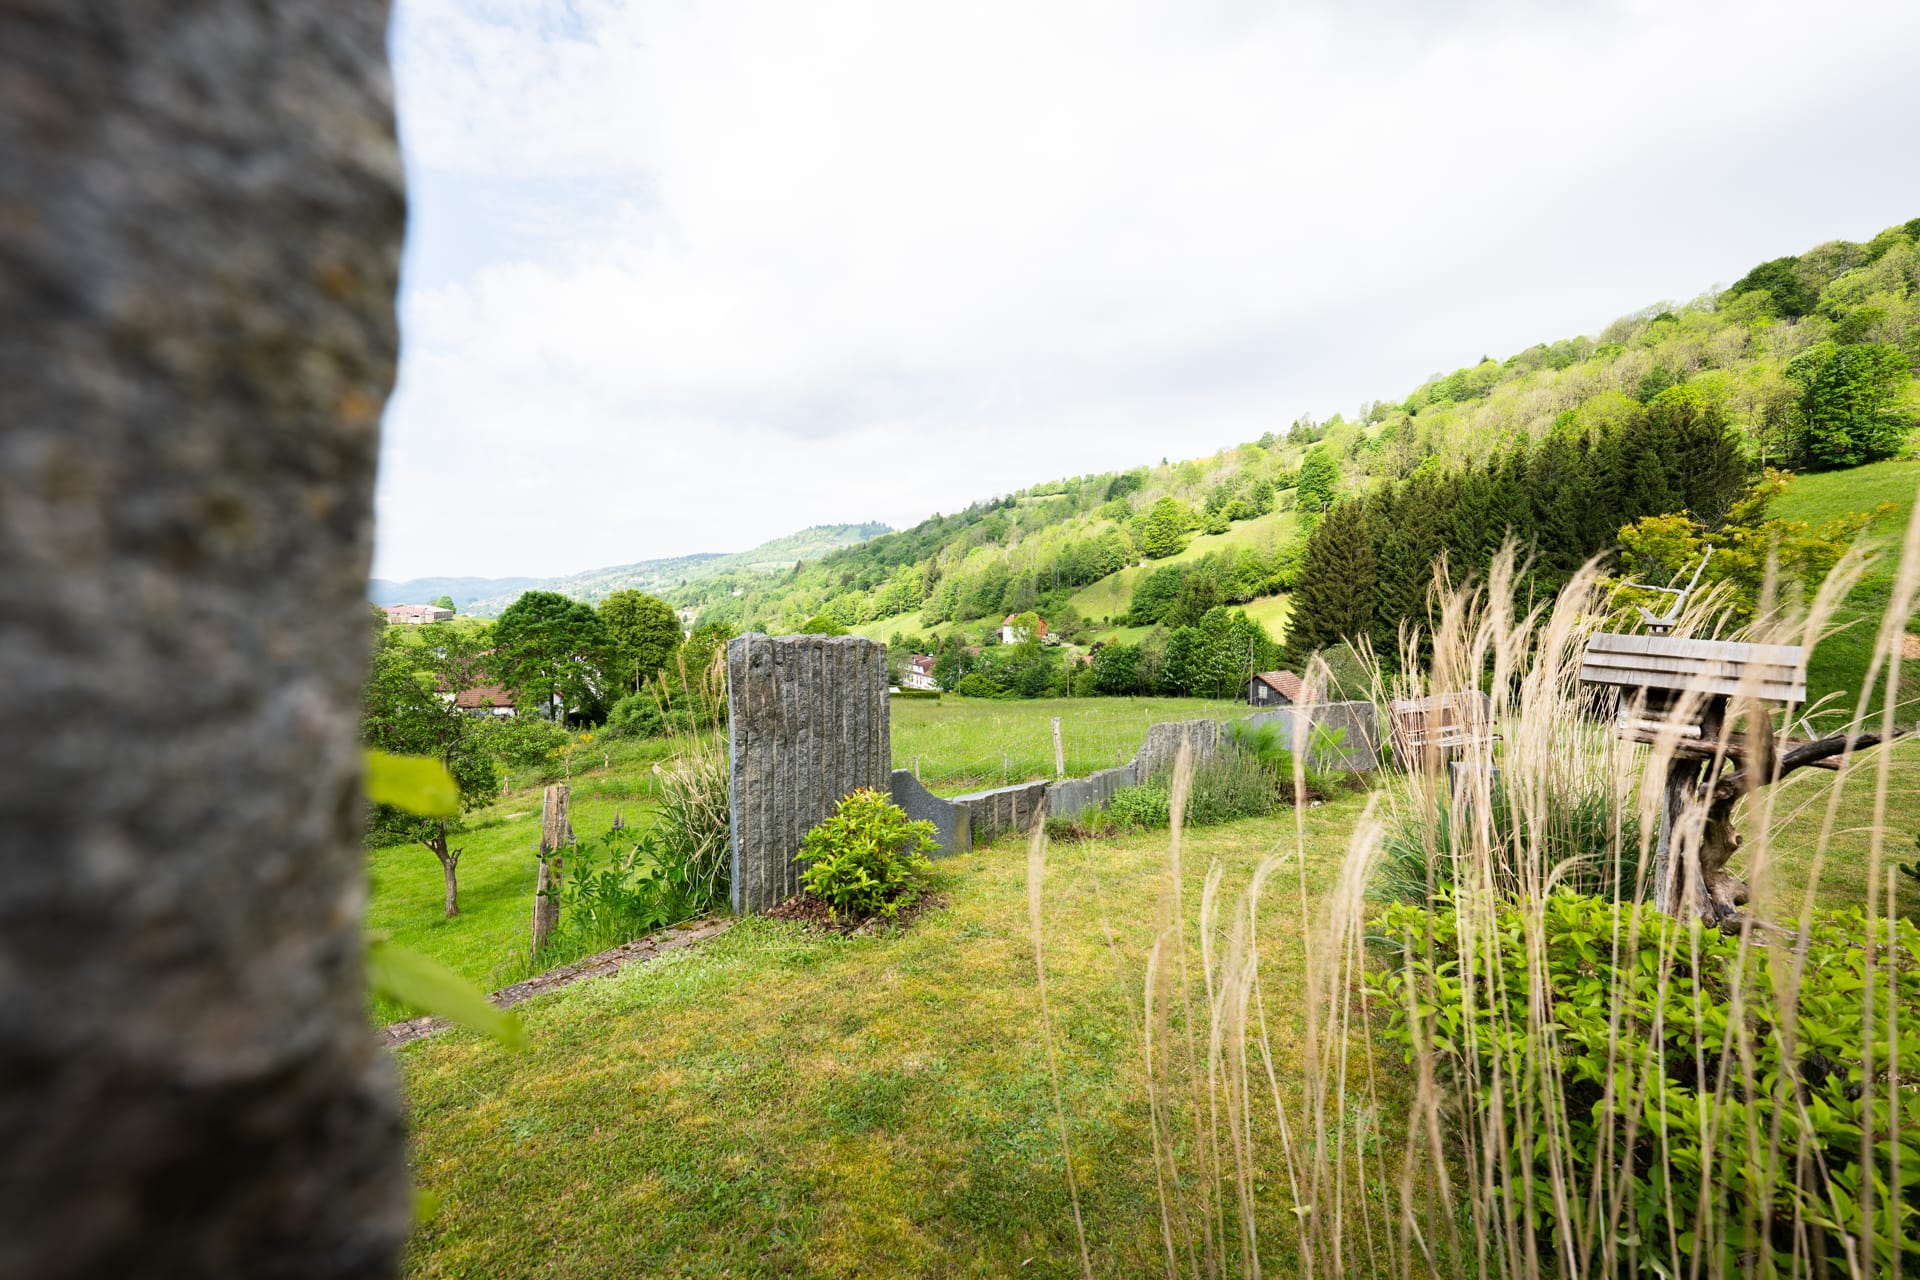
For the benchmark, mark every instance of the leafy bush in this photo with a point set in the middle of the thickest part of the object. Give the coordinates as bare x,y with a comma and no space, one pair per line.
1713,1084
868,858
638,715
1230,786
976,685
523,741
932,694
615,890
1141,808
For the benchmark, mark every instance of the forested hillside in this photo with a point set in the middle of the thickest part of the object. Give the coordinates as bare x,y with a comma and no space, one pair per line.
1804,363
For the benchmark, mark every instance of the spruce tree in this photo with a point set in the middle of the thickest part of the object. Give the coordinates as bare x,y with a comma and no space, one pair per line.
1335,597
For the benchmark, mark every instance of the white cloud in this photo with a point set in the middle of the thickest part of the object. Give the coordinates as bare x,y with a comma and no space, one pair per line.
757,266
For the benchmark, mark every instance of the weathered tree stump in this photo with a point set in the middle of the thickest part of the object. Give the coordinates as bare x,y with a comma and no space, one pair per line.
200,220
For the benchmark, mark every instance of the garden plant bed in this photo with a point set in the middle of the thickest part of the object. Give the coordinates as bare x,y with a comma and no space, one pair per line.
813,916
610,961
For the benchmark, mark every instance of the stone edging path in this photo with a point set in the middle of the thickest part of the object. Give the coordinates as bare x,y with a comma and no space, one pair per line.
639,951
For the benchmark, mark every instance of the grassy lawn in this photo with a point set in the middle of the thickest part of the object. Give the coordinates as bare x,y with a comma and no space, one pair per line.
1839,664
487,942
962,744
775,1103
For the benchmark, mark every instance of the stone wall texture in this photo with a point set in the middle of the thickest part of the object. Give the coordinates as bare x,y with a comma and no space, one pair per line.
1357,723
808,724
200,218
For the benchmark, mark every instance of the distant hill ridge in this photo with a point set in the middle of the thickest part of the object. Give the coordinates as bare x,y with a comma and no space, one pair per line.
486,597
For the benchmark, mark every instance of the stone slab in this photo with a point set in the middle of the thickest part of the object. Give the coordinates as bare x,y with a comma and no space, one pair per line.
951,821
807,726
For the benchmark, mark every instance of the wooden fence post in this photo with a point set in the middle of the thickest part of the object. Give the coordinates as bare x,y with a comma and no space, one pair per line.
556,833
1059,753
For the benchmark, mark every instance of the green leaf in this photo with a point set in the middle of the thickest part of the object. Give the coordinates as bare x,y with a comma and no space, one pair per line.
428,986
420,785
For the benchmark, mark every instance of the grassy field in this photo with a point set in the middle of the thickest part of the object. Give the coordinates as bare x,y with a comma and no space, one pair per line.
487,942
1839,665
961,744
776,1103
1112,596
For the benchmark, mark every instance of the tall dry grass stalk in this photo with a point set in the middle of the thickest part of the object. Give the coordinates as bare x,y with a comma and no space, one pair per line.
1651,1096
695,823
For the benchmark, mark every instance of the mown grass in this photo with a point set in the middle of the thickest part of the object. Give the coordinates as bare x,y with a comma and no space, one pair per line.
961,744
775,1103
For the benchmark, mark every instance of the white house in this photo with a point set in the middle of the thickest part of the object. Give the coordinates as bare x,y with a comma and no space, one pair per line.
418,615
1010,634
919,673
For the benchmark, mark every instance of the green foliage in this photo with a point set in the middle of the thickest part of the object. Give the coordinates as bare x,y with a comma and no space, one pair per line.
1140,808
1272,747
1231,786
615,890
1217,657
642,632
419,785
1587,837
1334,600
1852,403
868,858
694,829
977,684
1789,294
424,985
638,715
1161,530
551,651
1319,480
1732,1071
521,741
821,625
1659,549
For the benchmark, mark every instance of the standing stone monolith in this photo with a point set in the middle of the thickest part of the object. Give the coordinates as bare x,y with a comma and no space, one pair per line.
807,718
200,219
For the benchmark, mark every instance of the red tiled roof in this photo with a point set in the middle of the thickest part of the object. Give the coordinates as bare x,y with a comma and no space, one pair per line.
486,695
1284,683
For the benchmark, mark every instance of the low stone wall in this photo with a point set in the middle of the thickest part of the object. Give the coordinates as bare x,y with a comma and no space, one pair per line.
953,823
982,815
1071,797
989,813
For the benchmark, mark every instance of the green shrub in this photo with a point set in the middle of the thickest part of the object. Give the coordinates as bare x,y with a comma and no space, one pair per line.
615,890
1230,786
1271,746
932,694
638,715
522,741
1141,808
867,859
976,685
1677,1065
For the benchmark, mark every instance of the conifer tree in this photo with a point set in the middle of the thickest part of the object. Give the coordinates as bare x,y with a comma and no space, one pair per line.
1335,598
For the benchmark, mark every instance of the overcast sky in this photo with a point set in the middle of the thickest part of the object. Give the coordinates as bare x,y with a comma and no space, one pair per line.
683,277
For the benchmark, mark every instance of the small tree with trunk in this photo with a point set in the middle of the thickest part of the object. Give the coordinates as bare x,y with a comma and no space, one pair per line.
411,710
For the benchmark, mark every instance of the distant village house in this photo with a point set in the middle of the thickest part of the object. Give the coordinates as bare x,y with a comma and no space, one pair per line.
1010,634
919,673
418,615
484,700
1275,689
